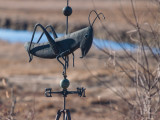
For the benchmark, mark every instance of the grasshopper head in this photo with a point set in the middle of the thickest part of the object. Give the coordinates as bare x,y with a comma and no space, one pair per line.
87,39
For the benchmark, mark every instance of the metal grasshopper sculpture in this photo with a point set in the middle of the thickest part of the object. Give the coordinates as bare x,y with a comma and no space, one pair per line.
63,46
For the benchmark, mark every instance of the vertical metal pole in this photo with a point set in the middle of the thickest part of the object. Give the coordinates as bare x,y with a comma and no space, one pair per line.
66,34
64,109
64,102
65,64
67,19
66,25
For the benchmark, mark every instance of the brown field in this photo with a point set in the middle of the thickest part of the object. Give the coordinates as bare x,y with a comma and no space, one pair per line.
29,80
25,14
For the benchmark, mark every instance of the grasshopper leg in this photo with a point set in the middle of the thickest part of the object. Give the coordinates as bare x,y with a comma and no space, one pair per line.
50,40
53,32
66,60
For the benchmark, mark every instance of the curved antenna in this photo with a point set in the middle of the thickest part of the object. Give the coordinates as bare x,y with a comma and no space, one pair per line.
95,18
98,17
90,15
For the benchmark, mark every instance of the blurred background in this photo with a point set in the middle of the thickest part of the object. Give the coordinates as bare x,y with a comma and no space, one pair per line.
120,72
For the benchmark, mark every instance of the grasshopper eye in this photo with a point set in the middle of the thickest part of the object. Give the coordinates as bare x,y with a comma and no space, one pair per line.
86,36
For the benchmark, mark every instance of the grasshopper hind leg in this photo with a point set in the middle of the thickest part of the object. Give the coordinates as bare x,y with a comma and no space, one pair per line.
52,30
50,39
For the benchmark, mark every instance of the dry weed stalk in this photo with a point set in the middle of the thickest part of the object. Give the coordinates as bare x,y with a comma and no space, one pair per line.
13,99
143,68
13,105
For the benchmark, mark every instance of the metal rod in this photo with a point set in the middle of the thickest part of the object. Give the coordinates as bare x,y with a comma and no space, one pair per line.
65,67
67,2
67,19
64,107
64,102
66,34
65,64
66,25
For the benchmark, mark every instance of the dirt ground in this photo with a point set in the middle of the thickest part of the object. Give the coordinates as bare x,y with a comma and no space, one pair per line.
22,84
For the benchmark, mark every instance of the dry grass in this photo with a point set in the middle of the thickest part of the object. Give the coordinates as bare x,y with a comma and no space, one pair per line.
28,80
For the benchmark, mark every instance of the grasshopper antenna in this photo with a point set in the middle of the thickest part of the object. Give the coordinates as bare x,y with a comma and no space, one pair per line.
95,18
98,18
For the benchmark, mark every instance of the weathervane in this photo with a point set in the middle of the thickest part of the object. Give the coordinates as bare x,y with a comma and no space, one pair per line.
62,47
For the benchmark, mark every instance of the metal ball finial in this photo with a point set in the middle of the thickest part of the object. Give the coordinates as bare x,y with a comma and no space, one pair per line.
67,11
64,83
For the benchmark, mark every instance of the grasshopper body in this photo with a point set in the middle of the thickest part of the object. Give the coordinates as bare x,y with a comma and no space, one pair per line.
67,44
62,46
